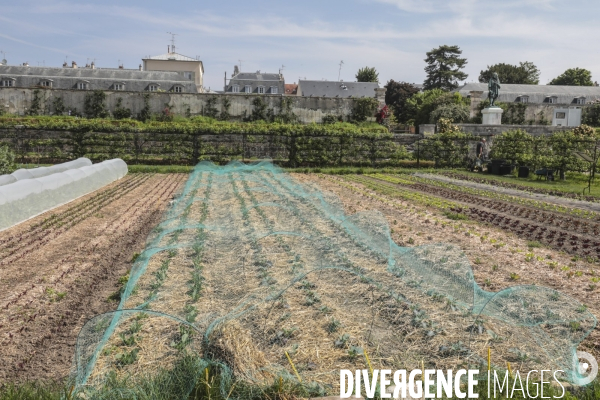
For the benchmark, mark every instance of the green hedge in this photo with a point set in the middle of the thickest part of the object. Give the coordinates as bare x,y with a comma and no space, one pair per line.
55,139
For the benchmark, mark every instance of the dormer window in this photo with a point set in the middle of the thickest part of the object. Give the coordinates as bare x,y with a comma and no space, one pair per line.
274,90
580,100
248,89
552,99
261,89
523,99
8,82
178,89
83,85
153,87
235,89
47,83
119,86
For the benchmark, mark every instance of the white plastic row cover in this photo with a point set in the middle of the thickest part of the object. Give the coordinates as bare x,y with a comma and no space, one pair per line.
27,198
23,173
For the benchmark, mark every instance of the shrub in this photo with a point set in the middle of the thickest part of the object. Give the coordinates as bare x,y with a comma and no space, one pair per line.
120,111
93,104
7,160
364,108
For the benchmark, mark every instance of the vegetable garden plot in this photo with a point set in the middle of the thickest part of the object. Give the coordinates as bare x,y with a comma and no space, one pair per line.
249,267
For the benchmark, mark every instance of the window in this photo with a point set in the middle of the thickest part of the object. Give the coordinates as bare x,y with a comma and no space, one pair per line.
8,83
119,86
248,89
561,115
580,100
524,99
46,83
152,88
187,75
274,89
178,89
235,89
552,100
82,86
261,89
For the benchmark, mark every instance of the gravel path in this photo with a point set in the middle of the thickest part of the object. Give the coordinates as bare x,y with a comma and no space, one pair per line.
583,205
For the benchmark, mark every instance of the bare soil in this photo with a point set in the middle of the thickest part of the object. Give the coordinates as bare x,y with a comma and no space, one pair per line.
60,268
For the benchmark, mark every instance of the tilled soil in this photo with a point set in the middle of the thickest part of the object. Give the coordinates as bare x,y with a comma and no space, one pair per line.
496,254
60,268
564,232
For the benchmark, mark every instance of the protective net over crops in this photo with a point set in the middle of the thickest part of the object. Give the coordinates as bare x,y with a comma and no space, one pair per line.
23,173
264,278
35,192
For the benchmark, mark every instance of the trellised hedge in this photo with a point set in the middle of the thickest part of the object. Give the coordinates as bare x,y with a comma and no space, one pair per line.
55,139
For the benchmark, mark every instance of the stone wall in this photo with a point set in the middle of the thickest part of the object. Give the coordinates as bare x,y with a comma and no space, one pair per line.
492,130
308,109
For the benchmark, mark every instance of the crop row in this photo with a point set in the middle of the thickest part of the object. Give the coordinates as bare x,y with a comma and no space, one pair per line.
73,214
44,236
557,237
559,220
541,205
494,182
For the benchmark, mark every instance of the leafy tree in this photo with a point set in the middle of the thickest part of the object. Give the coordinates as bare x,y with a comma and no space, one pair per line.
574,77
454,113
93,104
7,160
59,106
449,148
591,115
444,68
364,108
120,111
422,104
515,145
396,95
367,74
144,114
526,73
532,71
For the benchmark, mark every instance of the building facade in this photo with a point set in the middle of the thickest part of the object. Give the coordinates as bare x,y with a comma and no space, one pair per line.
192,69
255,83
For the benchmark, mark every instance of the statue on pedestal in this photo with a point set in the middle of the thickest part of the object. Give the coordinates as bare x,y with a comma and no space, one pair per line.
494,87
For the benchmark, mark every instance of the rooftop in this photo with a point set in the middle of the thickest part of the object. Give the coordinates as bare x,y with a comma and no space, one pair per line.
171,57
336,89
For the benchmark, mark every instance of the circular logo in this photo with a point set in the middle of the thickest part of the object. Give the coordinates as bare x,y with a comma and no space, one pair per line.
586,368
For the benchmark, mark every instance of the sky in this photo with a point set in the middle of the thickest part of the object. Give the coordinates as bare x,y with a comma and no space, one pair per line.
308,38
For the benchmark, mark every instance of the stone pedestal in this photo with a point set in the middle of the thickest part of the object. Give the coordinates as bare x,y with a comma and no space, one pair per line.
492,116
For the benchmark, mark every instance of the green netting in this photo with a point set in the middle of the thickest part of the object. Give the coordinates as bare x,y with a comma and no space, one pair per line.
250,266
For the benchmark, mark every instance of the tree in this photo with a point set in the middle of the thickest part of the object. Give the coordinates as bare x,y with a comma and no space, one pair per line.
423,104
396,95
525,74
364,108
455,113
444,68
7,159
93,104
574,77
532,71
367,74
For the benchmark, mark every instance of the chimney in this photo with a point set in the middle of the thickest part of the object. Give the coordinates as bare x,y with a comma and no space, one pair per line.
236,70
73,64
65,65
141,67
26,64
93,65
120,66
168,49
